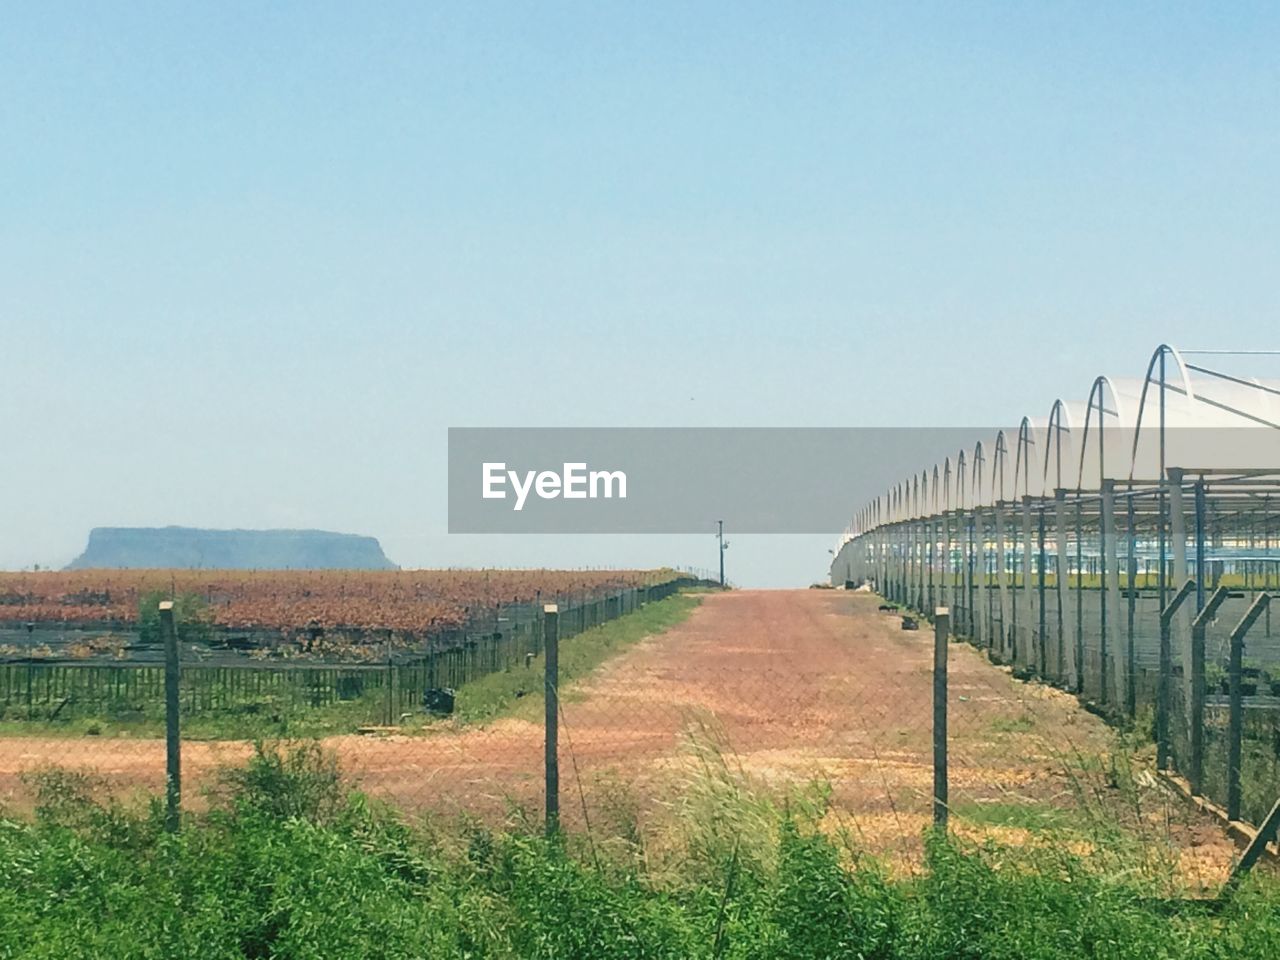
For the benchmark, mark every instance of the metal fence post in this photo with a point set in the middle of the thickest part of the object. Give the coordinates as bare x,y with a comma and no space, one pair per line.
1065,666
941,629
1078,658
1235,725
970,595
1266,832
1199,626
1201,579
1130,645
1022,598
551,643
172,740
946,587
1043,624
1164,682
1235,729
1005,633
930,562
1113,667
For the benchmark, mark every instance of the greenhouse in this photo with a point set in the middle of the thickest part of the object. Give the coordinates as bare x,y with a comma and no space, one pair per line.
1124,547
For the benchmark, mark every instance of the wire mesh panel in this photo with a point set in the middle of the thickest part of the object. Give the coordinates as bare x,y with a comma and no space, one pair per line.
1097,595
90,692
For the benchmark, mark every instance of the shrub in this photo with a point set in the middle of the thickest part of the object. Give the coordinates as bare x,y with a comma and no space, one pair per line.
825,912
293,781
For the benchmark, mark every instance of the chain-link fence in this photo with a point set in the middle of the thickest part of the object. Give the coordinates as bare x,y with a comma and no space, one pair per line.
105,698
1149,602
51,674
646,720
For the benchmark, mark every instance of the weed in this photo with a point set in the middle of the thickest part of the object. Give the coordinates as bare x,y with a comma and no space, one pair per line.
299,780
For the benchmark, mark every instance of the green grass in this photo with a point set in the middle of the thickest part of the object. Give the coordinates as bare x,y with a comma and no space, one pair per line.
1036,817
286,865
1012,725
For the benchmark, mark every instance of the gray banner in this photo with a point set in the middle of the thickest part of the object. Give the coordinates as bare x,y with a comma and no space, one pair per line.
784,480
759,480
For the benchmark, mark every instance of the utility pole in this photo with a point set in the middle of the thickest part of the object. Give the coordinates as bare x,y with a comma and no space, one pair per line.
723,547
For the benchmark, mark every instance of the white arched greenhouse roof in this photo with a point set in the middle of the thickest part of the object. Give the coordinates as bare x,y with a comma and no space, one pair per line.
1196,405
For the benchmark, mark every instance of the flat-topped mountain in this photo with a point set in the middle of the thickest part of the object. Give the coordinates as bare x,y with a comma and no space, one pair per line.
190,548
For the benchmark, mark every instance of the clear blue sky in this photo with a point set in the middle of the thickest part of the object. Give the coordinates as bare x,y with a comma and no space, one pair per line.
256,258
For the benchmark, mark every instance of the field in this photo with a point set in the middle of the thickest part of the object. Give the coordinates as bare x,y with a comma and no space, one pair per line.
810,695
411,601
300,679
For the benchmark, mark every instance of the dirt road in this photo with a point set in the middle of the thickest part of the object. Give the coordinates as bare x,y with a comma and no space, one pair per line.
784,687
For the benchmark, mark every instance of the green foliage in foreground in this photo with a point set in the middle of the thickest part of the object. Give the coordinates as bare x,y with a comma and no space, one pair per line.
286,865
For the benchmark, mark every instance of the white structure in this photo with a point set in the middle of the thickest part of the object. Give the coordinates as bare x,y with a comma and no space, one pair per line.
1057,545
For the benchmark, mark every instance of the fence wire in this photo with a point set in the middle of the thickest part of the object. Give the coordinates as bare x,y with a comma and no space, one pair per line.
1070,590
683,715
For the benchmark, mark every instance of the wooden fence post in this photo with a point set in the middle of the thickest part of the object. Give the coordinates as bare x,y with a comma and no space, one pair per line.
551,695
172,738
